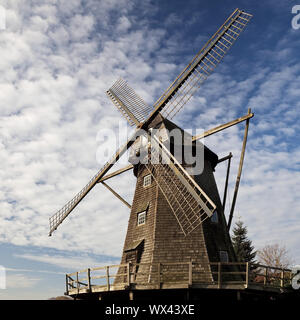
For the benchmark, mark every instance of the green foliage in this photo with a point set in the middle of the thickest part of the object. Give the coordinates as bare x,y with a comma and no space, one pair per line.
241,244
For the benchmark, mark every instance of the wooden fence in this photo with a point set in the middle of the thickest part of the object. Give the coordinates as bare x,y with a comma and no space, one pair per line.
116,277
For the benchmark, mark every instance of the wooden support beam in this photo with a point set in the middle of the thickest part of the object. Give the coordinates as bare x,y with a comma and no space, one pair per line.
115,173
227,178
238,178
116,194
222,127
225,158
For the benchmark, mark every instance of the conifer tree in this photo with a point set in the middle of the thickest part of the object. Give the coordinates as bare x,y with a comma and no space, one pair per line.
242,245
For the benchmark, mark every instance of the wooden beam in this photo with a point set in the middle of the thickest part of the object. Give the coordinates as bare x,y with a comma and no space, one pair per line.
225,158
227,178
115,173
222,127
116,194
238,178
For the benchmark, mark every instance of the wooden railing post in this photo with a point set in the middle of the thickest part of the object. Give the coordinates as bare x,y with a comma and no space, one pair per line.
107,278
77,282
219,275
89,278
128,273
190,273
282,278
67,284
290,277
266,276
247,274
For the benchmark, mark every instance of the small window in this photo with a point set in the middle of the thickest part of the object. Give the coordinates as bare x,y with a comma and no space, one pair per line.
141,218
147,180
214,218
223,256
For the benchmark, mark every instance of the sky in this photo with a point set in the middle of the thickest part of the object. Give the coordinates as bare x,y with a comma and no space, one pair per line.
57,60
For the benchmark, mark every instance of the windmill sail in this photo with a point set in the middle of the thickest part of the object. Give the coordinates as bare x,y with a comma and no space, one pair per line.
62,214
189,203
128,102
202,65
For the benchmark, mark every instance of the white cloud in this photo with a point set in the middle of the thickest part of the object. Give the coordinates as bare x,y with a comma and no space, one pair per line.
71,263
123,24
19,281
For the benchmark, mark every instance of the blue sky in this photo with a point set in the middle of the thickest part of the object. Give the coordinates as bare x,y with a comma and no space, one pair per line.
57,60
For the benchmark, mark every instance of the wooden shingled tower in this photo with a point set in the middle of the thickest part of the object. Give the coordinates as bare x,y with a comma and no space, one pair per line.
177,217
154,234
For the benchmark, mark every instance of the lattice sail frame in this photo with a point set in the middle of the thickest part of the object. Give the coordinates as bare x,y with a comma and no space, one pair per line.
202,65
56,219
128,102
189,203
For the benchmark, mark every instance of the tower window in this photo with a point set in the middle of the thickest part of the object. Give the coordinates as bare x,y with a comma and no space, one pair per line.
224,256
141,219
147,180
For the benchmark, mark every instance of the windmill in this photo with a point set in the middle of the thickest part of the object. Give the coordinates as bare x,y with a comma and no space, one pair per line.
176,214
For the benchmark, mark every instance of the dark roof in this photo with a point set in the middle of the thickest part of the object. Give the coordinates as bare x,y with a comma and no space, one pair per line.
208,154
134,245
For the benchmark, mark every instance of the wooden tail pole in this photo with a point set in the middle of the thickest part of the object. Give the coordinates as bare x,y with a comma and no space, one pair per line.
227,178
238,178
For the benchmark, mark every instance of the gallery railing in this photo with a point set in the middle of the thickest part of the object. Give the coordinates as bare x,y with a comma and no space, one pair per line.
159,275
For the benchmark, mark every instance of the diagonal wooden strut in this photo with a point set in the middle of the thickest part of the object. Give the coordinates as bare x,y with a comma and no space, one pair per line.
115,173
227,179
238,178
222,127
225,158
111,175
116,194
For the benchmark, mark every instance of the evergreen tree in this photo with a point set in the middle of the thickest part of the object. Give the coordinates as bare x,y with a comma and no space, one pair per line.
241,244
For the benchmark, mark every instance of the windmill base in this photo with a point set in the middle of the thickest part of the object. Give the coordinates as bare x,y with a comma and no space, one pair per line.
190,295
